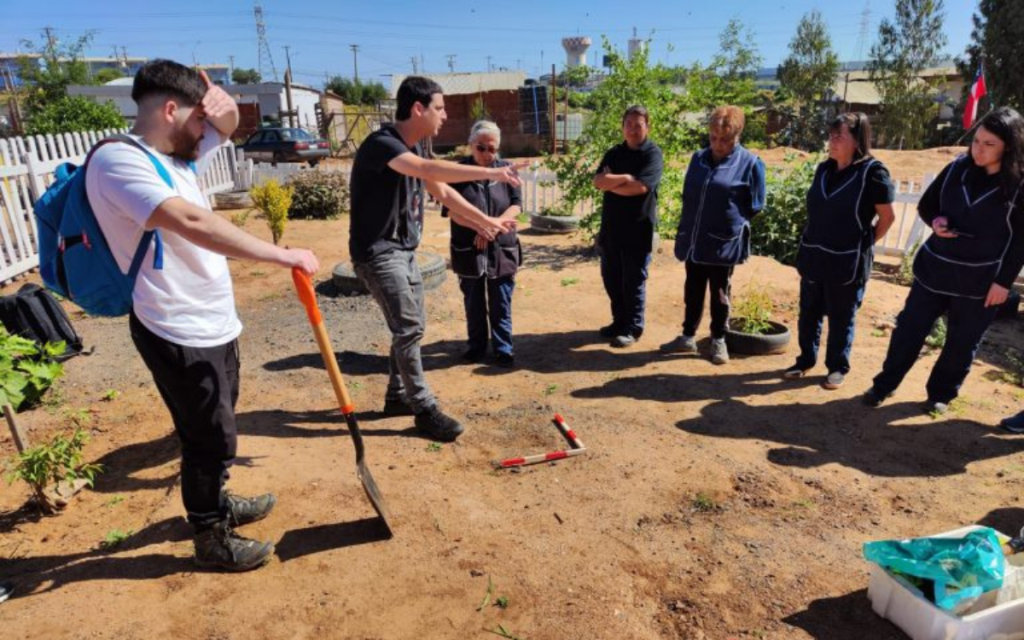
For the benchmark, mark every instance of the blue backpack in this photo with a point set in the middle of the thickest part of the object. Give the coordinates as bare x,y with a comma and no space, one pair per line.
75,260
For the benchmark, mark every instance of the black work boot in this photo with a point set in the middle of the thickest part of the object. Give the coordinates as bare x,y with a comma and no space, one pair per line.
221,548
245,510
395,406
437,425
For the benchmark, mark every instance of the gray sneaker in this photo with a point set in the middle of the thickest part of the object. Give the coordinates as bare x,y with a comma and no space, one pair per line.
221,548
834,380
680,344
245,510
719,352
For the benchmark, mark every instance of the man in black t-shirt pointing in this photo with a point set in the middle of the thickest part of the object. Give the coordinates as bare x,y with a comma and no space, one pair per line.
388,177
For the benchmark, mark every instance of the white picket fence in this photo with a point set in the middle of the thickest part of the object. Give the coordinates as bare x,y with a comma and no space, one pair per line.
27,166
908,227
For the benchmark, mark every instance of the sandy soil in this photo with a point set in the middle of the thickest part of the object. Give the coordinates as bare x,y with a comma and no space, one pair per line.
713,503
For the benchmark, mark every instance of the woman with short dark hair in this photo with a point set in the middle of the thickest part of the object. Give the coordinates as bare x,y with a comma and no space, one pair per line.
966,267
849,190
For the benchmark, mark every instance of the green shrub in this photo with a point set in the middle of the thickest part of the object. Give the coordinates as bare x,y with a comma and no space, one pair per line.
776,231
74,113
273,201
937,338
753,312
26,371
319,195
59,460
905,275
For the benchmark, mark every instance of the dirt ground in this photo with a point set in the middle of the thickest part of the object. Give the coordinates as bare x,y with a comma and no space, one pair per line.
713,503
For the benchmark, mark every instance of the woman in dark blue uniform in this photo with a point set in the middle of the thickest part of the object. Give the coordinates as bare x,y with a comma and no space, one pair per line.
967,266
487,269
724,188
849,190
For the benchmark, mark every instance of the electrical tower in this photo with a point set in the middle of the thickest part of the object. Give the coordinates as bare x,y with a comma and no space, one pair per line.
266,61
865,23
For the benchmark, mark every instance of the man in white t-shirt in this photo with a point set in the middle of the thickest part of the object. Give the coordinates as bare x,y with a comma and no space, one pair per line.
183,321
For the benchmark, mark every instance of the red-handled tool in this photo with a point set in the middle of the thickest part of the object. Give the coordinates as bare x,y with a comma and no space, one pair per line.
576,449
304,287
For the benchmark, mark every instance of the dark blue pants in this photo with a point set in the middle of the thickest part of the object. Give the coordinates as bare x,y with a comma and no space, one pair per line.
966,319
838,302
701,278
488,298
624,272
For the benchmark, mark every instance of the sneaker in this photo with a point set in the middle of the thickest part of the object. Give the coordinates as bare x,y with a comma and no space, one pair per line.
834,380
438,426
1013,424
395,406
873,398
474,356
505,360
608,331
221,548
935,408
246,510
795,372
6,589
680,344
623,341
719,352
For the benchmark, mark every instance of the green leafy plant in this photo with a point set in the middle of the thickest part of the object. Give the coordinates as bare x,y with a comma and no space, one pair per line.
434,447
319,195
26,371
115,538
110,395
753,313
273,201
568,282
550,389
114,501
776,231
59,460
937,338
905,274
501,602
704,503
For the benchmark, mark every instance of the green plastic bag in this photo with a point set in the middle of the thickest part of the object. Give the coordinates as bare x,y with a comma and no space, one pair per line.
960,568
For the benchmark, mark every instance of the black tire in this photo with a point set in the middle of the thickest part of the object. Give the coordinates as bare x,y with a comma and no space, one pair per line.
233,200
278,157
433,268
554,224
758,345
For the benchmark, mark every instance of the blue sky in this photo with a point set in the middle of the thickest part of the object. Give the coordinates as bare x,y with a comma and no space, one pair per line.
525,34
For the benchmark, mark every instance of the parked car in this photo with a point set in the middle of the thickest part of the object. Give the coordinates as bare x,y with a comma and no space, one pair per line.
285,145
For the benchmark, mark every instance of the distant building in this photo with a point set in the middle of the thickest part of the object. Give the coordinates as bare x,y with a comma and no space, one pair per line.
464,83
854,91
10,68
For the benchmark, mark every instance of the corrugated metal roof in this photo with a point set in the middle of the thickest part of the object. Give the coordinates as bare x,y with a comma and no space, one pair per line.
455,84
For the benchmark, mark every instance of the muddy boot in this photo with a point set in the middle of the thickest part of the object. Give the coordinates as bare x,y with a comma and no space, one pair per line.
221,548
245,510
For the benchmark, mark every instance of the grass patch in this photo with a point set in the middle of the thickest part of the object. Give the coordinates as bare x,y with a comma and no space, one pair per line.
550,389
115,538
114,501
568,282
703,503
434,447
109,395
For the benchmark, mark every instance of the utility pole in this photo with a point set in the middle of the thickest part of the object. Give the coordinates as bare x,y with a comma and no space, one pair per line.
231,67
554,105
355,61
124,54
451,62
488,64
288,57
415,66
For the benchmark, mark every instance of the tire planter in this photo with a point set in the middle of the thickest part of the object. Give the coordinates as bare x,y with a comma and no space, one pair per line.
752,344
433,268
233,200
554,224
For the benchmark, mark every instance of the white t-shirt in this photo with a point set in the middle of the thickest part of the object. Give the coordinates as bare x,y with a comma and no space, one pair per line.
190,301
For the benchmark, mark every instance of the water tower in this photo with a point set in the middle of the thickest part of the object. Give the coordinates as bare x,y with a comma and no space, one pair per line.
636,45
575,51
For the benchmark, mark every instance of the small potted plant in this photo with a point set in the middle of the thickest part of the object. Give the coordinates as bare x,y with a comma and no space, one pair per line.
751,330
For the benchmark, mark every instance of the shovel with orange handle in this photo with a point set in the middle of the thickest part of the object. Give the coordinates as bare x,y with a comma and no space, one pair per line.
304,287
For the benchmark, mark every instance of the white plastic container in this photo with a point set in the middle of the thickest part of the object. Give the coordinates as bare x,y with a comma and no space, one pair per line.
901,603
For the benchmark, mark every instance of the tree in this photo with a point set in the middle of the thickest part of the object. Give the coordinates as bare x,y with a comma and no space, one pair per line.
737,57
997,34
245,76
59,65
807,75
905,48
356,92
810,70
103,76
74,113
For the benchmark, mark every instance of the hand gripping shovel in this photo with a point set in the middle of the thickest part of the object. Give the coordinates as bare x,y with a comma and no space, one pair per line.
304,287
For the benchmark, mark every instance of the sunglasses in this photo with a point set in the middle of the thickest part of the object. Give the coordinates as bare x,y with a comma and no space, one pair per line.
482,149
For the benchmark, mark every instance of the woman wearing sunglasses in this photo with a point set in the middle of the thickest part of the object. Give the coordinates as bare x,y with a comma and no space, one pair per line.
487,269
849,190
966,267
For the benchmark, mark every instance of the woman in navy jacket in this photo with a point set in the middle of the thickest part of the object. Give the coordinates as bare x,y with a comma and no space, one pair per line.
724,189
849,190
487,269
967,266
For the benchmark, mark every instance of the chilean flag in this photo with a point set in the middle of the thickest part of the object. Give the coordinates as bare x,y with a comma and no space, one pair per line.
977,91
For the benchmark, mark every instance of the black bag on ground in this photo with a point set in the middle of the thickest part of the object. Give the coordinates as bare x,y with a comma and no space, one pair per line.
35,314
